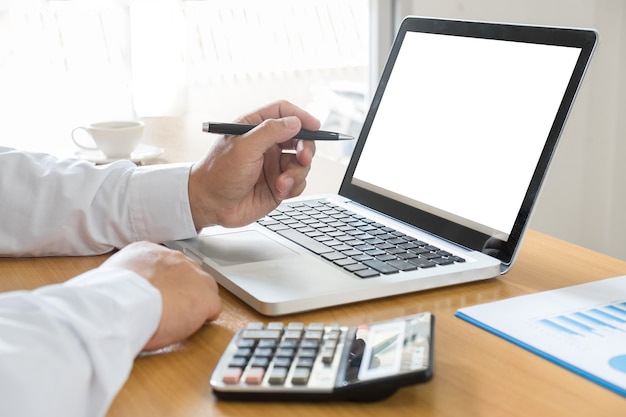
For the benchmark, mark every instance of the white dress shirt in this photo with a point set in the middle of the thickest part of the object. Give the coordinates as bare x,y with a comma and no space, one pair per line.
51,206
67,349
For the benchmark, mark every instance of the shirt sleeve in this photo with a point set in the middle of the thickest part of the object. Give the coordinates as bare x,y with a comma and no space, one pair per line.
51,206
67,349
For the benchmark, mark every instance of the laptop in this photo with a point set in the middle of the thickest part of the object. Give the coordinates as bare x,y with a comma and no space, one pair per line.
442,180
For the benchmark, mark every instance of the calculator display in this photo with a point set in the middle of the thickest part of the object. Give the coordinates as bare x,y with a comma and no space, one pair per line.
388,348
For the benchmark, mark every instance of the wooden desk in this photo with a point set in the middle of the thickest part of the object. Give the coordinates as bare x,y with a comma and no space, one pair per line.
476,373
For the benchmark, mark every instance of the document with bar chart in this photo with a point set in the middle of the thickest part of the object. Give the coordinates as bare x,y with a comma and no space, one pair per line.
582,328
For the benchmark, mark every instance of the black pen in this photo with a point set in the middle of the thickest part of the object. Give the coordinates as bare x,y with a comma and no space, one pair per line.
240,129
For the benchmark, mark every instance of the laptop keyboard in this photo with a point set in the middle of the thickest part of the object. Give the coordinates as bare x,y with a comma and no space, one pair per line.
352,241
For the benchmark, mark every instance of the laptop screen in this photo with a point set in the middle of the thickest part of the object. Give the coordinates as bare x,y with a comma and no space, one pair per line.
462,127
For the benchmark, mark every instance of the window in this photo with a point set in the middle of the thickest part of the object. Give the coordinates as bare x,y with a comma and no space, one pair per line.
63,63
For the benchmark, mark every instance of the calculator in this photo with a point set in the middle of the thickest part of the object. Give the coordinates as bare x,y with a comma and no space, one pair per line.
317,361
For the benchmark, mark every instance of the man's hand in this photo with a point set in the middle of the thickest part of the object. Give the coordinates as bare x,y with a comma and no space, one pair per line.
243,178
189,295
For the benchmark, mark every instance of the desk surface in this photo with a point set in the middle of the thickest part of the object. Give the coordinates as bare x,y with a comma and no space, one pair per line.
476,373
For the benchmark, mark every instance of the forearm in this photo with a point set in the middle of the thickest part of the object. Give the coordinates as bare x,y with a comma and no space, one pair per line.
71,346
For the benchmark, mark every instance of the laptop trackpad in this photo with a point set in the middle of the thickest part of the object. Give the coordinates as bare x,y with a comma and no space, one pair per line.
239,248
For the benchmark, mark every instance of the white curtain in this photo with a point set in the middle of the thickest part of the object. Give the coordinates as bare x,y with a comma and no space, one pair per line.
68,62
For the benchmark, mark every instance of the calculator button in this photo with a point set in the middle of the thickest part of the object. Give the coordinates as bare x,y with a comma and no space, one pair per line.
277,376
314,334
275,326
261,334
259,362
309,343
295,326
265,352
282,362
246,343
332,334
288,343
300,376
285,353
307,353
243,353
231,375
327,355
254,376
267,343
293,334
332,344
238,362
305,363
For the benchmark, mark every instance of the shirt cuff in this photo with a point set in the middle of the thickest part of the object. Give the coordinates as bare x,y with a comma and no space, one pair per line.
160,203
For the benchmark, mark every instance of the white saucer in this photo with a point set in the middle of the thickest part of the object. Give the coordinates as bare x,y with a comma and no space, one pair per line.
140,154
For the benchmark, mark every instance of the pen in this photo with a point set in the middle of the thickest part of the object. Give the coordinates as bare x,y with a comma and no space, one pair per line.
240,129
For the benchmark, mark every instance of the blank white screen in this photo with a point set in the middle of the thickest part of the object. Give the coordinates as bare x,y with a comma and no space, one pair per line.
462,123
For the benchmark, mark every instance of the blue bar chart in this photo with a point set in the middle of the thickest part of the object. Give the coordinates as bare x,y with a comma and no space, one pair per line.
581,328
598,321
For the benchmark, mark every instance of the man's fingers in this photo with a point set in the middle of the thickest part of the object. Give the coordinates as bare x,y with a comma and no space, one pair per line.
272,132
281,109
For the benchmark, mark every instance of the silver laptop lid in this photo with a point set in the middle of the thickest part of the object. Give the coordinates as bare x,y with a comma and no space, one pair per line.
463,126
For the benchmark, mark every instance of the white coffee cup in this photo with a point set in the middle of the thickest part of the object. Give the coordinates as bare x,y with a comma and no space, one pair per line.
115,139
